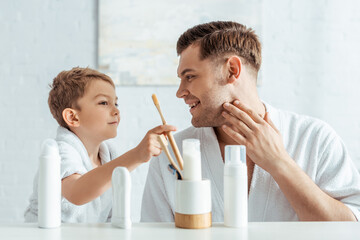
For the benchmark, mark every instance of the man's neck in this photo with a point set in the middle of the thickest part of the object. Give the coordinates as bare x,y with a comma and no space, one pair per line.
223,138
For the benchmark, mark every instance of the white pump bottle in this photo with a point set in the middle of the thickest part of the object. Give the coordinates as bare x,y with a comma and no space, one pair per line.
235,187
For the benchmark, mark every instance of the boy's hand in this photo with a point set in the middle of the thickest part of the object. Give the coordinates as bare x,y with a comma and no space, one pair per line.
150,146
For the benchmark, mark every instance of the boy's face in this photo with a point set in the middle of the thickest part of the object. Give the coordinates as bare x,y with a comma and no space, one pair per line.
98,116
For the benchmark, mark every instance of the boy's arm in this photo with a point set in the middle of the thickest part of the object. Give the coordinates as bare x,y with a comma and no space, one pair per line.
81,189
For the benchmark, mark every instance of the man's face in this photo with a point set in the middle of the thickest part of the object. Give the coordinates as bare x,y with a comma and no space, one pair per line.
202,87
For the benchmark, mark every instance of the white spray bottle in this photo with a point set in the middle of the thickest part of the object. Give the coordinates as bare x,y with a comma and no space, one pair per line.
49,186
235,187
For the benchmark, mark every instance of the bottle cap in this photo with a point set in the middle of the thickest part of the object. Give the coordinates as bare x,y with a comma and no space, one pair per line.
191,145
49,147
235,154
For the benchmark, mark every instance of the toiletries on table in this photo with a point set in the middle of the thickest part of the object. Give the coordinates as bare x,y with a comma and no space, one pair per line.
49,186
235,187
192,193
121,190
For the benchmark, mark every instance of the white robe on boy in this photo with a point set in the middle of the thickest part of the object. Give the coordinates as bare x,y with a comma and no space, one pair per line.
314,146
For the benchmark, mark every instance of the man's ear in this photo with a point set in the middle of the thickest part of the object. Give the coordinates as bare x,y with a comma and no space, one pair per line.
234,69
71,118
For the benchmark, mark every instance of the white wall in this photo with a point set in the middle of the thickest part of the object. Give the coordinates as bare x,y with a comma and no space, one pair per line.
310,65
38,39
311,62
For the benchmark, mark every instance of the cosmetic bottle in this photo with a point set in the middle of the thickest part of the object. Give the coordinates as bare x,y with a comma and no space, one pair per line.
49,186
235,187
192,193
121,190
192,160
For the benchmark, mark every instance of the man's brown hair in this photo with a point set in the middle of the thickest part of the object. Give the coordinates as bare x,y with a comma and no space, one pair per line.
68,87
217,39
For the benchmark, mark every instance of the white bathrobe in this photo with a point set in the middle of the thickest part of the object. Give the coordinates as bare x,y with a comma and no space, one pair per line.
75,159
314,146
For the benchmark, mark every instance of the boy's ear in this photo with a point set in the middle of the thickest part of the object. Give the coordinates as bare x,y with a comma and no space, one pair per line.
234,69
71,118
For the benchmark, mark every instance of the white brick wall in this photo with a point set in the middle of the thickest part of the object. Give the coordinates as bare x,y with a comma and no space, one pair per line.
311,50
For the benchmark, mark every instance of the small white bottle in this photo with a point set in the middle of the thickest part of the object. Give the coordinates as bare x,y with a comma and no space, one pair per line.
49,186
192,159
235,187
121,190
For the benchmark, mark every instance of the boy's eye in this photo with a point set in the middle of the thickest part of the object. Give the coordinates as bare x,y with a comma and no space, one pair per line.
103,103
116,104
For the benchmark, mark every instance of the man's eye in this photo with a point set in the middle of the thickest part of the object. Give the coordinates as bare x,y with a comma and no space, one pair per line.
103,103
116,105
189,77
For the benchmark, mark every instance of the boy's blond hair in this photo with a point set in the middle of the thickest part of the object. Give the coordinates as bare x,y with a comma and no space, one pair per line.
68,87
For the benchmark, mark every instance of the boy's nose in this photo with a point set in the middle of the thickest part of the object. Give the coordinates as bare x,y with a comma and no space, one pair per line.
116,111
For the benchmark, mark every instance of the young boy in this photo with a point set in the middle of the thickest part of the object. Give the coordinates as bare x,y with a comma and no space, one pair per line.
84,103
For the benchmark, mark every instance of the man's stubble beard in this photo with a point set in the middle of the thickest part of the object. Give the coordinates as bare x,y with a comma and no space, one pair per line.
209,117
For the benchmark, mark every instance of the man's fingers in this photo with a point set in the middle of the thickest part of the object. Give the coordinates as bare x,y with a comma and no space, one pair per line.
238,124
234,135
250,112
268,120
240,114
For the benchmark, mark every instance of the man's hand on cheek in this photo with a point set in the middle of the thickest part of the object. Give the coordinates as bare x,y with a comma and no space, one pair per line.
263,141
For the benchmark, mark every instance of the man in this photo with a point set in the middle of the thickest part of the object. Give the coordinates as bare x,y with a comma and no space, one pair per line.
298,168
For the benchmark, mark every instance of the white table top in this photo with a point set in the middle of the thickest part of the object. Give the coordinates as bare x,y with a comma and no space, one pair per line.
158,231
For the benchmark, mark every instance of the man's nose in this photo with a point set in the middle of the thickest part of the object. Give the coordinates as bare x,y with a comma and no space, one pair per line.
182,91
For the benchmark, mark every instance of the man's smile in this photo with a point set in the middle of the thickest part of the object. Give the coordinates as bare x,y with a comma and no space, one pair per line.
193,104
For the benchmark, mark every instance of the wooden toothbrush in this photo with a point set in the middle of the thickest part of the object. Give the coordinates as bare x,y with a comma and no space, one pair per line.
169,135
